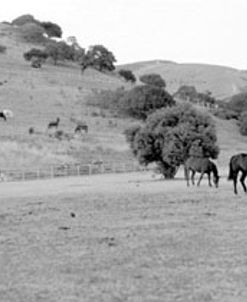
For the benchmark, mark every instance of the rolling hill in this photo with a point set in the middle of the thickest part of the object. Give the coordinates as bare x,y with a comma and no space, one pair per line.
38,96
222,81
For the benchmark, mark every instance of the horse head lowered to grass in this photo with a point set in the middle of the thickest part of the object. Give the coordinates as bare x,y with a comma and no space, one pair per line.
202,165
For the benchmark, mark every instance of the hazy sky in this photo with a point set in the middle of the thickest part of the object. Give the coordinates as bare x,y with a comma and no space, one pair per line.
205,31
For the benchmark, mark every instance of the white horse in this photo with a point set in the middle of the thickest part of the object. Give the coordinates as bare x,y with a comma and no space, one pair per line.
6,113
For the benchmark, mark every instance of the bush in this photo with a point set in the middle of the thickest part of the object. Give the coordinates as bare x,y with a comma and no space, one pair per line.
35,53
238,102
153,79
226,114
186,93
3,49
142,100
127,75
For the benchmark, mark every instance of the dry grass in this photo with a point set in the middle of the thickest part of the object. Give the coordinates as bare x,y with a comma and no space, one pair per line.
86,239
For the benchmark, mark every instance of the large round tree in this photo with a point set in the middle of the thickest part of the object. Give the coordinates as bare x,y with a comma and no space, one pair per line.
171,135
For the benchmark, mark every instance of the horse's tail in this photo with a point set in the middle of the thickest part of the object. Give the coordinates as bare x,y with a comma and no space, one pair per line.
231,172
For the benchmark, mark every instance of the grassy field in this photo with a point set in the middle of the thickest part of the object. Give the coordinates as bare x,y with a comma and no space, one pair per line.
86,239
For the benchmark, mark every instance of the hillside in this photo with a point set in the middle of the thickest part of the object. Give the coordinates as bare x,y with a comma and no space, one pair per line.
221,81
38,96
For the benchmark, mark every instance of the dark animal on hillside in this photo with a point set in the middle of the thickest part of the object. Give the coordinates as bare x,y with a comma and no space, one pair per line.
81,127
54,124
6,113
238,163
202,165
31,130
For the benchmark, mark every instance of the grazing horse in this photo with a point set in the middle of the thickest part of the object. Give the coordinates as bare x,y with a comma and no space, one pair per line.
6,113
54,124
81,127
238,163
202,165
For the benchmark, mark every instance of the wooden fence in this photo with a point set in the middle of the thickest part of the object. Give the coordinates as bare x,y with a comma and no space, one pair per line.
68,170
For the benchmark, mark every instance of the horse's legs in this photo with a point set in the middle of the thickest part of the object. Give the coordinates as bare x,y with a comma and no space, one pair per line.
242,178
209,180
193,177
200,178
235,178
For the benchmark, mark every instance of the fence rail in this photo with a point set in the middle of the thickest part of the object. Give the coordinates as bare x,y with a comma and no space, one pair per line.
68,170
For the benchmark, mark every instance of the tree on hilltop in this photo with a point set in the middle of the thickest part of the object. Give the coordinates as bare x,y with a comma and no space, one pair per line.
171,135
24,19
98,57
52,29
59,51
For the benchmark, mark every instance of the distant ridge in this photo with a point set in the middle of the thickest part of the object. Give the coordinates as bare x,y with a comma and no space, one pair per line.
222,81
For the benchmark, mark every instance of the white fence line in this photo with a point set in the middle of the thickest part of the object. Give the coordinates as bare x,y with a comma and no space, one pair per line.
68,170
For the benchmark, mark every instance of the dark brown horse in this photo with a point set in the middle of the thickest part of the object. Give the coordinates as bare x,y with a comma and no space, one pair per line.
202,165
238,163
53,124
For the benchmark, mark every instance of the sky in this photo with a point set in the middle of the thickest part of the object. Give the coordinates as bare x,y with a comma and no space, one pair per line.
184,31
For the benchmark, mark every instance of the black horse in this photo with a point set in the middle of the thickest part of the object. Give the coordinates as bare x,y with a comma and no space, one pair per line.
53,124
202,165
238,163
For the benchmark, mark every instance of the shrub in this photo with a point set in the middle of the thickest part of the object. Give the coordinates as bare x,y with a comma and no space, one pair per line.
35,53
153,79
127,75
142,100
238,102
226,114
186,93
